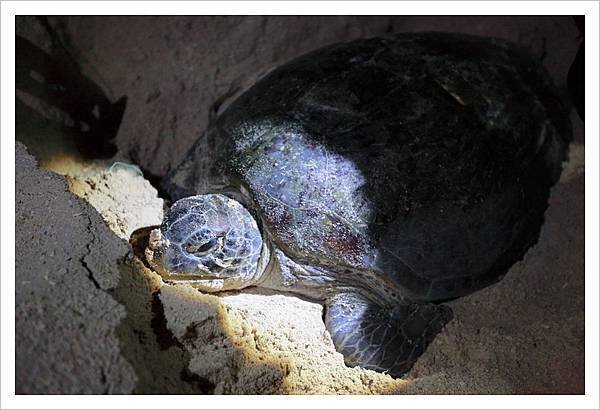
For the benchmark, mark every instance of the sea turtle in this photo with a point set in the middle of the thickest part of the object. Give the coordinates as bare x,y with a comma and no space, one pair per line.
380,176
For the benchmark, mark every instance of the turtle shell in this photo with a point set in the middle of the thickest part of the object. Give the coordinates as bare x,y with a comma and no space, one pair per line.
427,158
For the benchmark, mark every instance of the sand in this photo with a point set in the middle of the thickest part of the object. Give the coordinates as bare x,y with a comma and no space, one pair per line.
524,335
93,318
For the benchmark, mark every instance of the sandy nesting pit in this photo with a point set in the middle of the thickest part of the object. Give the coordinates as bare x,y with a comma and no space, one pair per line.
523,335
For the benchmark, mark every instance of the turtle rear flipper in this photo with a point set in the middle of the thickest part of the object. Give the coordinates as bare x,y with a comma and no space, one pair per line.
382,339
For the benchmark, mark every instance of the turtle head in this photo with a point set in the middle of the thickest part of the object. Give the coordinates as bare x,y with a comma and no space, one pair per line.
210,242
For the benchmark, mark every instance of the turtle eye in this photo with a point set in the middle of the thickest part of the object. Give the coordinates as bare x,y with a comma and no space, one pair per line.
204,248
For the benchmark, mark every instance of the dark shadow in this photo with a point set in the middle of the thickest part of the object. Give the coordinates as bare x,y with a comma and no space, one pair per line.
576,77
55,89
156,182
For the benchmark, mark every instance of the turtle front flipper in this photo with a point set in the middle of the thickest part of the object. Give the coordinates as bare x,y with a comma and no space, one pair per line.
383,339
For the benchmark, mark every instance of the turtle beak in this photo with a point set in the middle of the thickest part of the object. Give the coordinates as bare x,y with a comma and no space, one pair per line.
216,270
203,272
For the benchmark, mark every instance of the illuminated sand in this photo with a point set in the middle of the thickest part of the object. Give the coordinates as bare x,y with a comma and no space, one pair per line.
125,200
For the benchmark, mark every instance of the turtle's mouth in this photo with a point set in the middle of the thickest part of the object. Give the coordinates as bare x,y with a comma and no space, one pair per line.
198,274
201,276
203,283
204,280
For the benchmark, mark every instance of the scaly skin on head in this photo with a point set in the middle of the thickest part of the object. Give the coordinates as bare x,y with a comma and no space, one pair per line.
210,242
